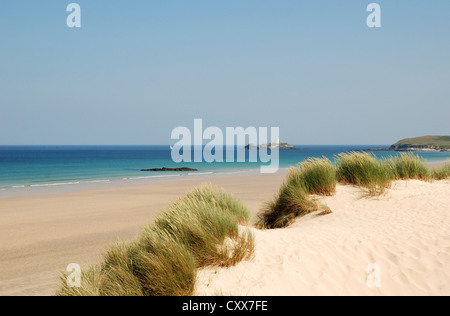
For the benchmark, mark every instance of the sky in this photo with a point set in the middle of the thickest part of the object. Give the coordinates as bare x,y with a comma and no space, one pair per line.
137,69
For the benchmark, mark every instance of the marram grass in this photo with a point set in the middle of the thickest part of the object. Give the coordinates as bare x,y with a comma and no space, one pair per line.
291,202
210,220
441,173
201,229
91,283
409,166
318,176
364,170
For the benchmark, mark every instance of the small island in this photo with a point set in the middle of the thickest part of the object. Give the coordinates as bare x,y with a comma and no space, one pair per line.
276,145
164,169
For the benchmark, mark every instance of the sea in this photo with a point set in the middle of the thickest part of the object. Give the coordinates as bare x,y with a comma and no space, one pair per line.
48,166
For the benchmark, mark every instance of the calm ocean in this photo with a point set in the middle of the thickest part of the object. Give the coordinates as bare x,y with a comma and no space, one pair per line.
30,166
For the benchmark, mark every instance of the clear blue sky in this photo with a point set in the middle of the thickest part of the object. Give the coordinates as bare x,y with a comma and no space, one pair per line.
137,69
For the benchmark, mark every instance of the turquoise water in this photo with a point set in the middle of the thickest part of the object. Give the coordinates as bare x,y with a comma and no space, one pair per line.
23,166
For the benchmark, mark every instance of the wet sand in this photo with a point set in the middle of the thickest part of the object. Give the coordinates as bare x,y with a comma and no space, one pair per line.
43,233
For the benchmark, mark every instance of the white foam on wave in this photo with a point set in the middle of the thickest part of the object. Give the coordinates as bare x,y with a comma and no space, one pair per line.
53,184
150,177
72,183
200,174
167,176
96,181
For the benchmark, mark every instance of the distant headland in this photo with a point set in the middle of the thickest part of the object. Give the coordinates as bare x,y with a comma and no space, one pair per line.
424,143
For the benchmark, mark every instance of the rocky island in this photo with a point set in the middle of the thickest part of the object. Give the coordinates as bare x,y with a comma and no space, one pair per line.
279,145
183,169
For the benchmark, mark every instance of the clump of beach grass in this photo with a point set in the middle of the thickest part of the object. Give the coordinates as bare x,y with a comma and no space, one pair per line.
441,173
219,198
364,170
201,229
212,217
291,202
91,283
235,250
153,265
409,166
318,176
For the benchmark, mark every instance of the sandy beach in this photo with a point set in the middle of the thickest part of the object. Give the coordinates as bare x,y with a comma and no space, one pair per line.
405,232
136,141
42,234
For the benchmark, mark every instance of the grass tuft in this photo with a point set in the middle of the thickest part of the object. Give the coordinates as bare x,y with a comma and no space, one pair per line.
409,166
91,280
441,173
318,176
213,217
291,202
364,170
199,230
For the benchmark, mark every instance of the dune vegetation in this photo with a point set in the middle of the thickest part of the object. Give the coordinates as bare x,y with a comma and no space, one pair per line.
204,228
441,173
207,227
319,176
364,170
291,201
409,166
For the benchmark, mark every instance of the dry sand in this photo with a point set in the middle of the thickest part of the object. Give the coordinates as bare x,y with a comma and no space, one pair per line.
406,233
41,235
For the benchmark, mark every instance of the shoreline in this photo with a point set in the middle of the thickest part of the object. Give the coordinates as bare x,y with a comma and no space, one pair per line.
40,234
48,189
45,189
413,150
43,231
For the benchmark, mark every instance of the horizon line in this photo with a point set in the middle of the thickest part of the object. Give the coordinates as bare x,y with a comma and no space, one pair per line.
122,145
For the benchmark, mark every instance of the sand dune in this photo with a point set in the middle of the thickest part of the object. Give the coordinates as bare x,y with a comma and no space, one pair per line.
406,233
